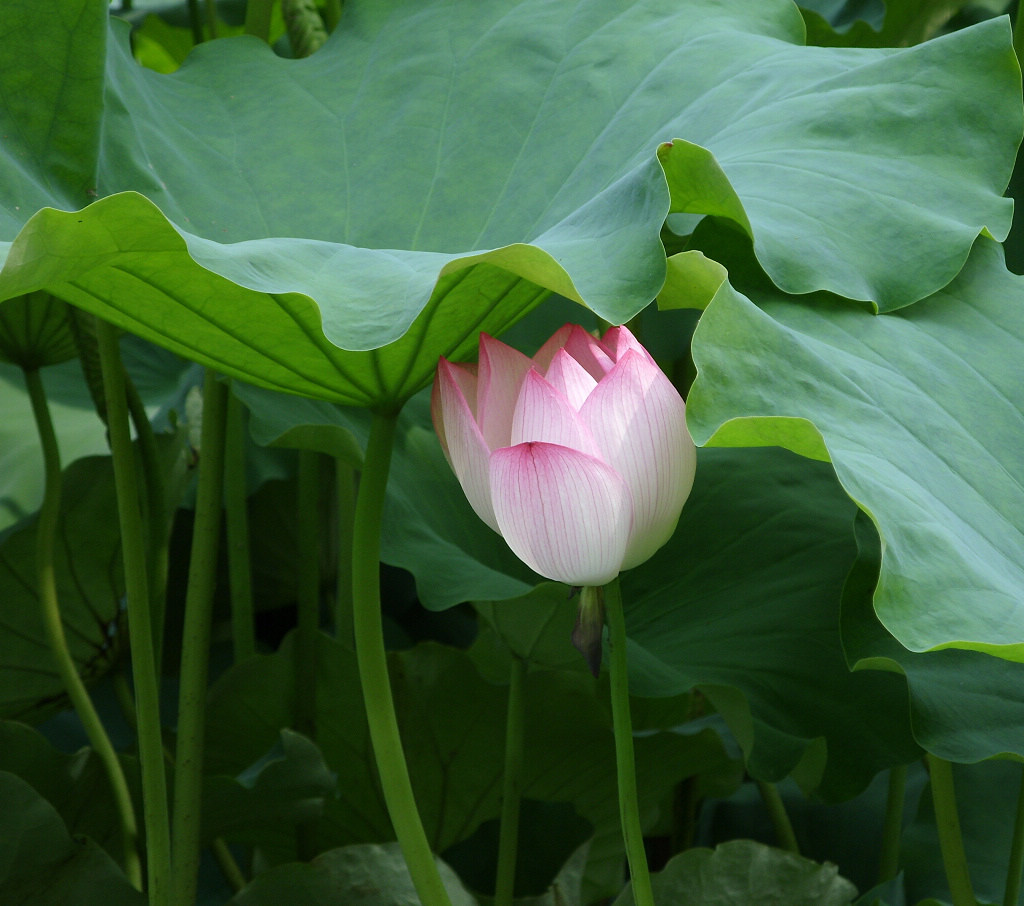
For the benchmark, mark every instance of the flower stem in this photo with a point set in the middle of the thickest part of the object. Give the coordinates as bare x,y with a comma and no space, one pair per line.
892,829
195,644
346,485
373,666
46,532
236,518
780,819
308,593
1015,864
140,629
947,822
508,839
629,802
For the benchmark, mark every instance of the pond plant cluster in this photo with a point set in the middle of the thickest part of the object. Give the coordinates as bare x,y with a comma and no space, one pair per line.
357,545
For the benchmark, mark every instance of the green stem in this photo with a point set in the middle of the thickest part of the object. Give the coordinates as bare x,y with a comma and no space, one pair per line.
140,630
780,819
346,491
236,517
629,802
373,666
228,866
947,822
308,592
46,533
508,839
195,644
1018,31
257,18
1015,865
157,517
892,828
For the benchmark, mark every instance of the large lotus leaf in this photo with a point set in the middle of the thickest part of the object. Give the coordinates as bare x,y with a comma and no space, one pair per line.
921,414
421,178
966,706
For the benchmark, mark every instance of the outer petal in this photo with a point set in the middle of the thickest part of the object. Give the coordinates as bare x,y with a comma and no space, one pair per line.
464,377
464,443
619,340
570,379
543,414
566,515
501,372
639,422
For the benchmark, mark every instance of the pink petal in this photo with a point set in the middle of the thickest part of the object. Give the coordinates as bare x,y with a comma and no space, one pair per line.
543,414
461,438
570,379
588,351
639,423
542,360
464,377
566,515
619,340
501,372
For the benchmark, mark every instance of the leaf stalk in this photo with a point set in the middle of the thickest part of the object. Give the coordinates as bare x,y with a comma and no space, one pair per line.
373,666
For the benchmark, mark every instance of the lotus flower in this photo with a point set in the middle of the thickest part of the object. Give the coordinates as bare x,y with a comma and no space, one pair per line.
579,457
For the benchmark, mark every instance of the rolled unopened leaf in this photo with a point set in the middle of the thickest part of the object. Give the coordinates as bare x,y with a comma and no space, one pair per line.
579,457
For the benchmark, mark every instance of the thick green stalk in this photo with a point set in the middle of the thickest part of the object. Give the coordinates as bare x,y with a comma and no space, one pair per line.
157,517
1018,31
508,839
236,516
625,763
1015,865
947,821
892,828
346,484
780,819
195,643
308,592
373,666
140,629
46,532
257,18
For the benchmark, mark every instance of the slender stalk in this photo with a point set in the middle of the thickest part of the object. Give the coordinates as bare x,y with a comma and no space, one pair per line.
892,828
308,593
228,866
950,839
373,666
1015,865
508,839
257,18
157,516
625,763
46,532
195,645
1018,31
140,630
346,491
780,819
236,516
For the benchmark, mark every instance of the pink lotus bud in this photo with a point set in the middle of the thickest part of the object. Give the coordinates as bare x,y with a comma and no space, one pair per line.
579,457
